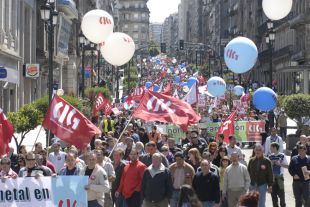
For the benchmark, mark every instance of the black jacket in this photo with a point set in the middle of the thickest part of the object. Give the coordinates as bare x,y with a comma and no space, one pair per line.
157,188
207,187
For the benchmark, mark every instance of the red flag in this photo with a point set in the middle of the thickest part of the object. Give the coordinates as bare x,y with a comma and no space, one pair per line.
227,127
159,107
167,90
6,133
137,93
100,103
67,123
108,109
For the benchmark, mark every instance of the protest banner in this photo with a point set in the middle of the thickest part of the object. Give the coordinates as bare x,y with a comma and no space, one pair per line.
61,191
201,100
245,131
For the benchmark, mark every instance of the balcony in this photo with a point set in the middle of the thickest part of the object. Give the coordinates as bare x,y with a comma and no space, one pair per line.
68,7
287,50
298,56
300,19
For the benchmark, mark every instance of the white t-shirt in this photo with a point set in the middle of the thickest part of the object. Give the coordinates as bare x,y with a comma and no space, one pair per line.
57,159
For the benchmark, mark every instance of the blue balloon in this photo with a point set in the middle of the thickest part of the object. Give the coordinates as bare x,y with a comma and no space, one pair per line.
216,86
156,88
158,62
191,81
183,65
240,55
177,79
238,90
265,99
148,84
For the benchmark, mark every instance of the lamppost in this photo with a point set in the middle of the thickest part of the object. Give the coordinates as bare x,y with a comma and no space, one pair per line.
49,15
270,38
85,45
98,64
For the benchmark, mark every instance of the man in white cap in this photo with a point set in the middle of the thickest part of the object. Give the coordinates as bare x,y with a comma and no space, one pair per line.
57,157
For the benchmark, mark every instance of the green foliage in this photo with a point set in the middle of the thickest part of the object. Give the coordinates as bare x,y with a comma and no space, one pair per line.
154,51
204,70
133,80
297,107
24,120
91,94
281,100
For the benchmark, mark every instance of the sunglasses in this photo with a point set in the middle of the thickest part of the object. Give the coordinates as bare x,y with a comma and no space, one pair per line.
5,163
30,159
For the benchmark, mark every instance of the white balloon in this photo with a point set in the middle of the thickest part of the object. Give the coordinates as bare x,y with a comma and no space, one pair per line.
118,49
97,25
216,86
277,9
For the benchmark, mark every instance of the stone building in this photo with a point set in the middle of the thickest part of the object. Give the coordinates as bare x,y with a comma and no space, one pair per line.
169,33
17,47
155,32
134,18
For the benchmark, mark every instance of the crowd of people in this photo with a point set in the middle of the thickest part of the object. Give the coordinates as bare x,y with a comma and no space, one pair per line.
145,167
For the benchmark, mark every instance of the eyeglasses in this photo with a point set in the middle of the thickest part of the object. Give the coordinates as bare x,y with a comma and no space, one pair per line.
194,137
5,163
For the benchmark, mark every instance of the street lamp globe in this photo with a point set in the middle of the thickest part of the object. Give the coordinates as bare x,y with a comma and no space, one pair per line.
55,16
267,38
81,38
269,24
272,35
45,11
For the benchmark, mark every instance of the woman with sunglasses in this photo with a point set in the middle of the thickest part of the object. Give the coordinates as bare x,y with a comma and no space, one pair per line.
20,163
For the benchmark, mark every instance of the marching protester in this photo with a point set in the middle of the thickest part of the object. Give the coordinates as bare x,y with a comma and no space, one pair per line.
57,157
181,173
279,162
130,184
274,137
151,148
71,168
260,170
236,181
98,183
207,185
118,165
31,169
232,147
299,168
156,187
6,170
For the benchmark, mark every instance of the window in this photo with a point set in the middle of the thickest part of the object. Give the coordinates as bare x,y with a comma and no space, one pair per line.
135,15
135,35
125,26
136,26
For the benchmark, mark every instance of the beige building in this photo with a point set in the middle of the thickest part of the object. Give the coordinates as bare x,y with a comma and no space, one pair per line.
169,33
134,18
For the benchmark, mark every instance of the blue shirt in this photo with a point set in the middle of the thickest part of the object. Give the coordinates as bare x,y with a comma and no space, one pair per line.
276,169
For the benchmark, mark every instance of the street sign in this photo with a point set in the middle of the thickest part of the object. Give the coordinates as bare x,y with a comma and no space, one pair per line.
3,73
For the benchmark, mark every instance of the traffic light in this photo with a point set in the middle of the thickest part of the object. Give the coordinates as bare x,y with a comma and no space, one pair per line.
181,44
163,47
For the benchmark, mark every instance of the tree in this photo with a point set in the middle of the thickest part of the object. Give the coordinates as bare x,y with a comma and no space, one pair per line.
297,107
133,79
91,94
24,120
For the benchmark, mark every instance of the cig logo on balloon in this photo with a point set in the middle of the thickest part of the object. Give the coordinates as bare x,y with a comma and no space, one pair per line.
127,39
65,114
105,20
232,54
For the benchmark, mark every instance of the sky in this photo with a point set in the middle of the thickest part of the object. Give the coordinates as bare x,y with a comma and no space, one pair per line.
160,9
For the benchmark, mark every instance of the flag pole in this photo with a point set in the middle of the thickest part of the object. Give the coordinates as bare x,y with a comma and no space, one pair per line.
37,139
120,136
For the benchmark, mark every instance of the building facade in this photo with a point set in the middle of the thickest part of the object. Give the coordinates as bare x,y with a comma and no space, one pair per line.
155,33
169,33
17,47
134,17
227,19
